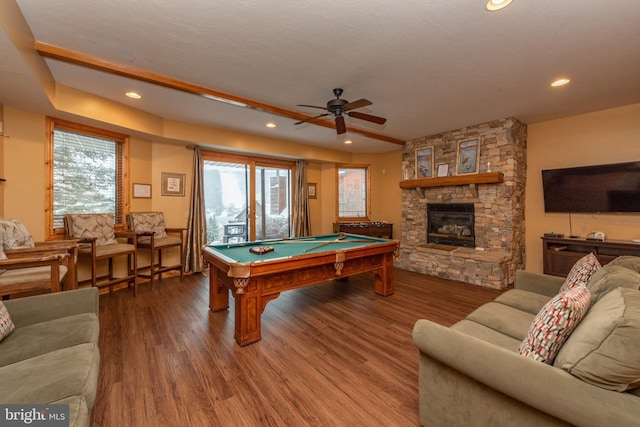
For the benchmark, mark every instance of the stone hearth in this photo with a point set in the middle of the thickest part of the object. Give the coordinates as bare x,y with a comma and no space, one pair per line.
499,207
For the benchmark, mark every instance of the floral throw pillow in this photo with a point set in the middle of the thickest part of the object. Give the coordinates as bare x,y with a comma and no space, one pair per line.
148,221
554,323
581,272
6,324
15,235
99,226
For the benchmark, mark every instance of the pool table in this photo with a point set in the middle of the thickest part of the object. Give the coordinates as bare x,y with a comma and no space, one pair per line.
254,279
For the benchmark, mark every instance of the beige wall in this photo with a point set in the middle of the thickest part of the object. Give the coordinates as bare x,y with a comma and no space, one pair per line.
174,158
24,169
602,137
386,195
609,136
314,174
140,156
386,205
327,199
24,158
1,160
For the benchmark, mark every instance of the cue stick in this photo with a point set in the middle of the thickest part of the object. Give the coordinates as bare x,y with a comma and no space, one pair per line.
300,240
325,243
330,241
267,242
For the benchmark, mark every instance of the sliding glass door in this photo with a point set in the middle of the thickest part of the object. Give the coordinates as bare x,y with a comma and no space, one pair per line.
226,199
246,198
273,203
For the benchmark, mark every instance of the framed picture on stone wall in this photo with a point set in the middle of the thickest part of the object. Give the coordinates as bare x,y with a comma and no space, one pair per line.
468,156
442,169
424,163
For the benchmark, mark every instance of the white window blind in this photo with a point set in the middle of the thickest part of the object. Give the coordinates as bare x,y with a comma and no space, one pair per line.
86,175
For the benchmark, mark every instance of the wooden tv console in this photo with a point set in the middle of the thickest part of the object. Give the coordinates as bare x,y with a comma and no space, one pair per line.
559,254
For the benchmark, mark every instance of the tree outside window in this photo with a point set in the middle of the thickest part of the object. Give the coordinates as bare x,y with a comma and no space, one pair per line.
87,173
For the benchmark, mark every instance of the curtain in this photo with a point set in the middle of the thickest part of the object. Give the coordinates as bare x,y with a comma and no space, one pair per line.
301,225
196,228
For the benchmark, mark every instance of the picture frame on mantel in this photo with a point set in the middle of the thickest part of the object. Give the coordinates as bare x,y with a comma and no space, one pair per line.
424,163
442,169
468,157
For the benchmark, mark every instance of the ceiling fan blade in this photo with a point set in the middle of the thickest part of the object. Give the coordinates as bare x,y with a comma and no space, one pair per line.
311,118
340,126
357,104
311,106
367,117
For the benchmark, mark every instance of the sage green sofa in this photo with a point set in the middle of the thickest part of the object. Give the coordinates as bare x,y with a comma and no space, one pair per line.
52,356
471,374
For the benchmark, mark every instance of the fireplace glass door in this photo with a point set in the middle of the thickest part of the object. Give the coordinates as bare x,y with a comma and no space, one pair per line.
451,224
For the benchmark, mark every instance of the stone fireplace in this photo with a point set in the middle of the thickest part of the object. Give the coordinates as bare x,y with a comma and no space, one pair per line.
496,249
451,224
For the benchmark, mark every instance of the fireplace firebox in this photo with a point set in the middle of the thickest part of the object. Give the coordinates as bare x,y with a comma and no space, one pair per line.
451,224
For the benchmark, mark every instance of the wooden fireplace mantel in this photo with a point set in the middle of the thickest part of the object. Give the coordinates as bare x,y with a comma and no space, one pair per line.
444,181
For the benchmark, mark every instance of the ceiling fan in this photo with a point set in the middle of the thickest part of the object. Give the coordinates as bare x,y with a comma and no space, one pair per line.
339,107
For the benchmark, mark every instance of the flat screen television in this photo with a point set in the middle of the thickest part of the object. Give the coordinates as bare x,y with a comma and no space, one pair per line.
612,188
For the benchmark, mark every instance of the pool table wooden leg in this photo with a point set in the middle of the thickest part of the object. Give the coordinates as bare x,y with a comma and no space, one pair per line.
218,293
248,308
384,277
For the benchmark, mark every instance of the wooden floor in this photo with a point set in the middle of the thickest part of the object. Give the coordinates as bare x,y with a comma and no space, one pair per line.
333,354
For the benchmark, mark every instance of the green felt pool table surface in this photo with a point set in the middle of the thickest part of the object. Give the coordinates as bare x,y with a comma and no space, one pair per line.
239,252
255,279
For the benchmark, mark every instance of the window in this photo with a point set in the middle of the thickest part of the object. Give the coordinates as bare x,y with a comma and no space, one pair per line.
247,197
353,192
87,173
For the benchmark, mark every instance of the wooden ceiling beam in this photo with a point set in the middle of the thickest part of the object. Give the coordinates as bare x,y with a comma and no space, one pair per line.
72,57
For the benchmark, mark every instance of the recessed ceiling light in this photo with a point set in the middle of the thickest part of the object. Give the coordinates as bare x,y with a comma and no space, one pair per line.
560,82
134,95
493,5
348,141
270,125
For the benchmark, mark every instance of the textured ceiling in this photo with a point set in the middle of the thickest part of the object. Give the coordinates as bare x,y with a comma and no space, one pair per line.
427,66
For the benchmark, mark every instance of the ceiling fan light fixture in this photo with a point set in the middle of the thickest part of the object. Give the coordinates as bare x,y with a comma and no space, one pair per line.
348,141
270,125
339,107
495,5
560,82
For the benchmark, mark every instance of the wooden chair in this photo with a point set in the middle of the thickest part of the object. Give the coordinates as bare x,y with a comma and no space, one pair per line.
27,266
35,273
97,238
65,250
153,236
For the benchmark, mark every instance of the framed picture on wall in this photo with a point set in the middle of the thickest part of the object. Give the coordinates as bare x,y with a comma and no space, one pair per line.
424,163
142,191
442,169
173,184
468,156
312,190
